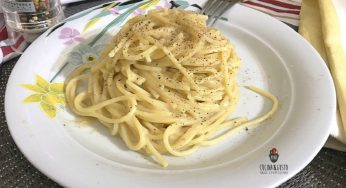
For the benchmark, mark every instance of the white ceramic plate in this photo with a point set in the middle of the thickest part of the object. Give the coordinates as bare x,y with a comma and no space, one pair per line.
74,154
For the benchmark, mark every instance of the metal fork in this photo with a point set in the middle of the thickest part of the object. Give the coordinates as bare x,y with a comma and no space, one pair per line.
215,8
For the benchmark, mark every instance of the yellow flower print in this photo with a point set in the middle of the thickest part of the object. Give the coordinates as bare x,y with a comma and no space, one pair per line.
49,95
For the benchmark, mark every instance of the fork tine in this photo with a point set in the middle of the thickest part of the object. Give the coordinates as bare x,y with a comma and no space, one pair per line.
215,6
220,13
215,9
207,6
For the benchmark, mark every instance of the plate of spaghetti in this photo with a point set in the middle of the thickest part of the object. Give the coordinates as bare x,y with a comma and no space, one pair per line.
145,93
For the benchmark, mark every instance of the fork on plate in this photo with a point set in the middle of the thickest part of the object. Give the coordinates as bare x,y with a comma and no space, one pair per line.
215,8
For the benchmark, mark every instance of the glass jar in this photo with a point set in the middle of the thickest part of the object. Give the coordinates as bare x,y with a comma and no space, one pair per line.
31,17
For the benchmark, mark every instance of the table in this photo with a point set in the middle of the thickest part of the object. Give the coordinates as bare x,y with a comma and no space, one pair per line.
328,168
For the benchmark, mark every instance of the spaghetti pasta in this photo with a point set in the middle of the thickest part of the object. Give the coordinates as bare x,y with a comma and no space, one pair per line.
165,84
